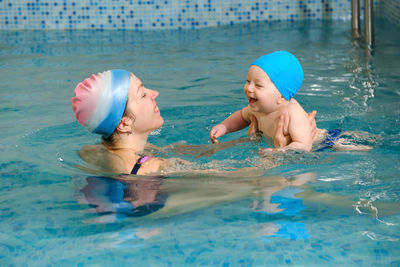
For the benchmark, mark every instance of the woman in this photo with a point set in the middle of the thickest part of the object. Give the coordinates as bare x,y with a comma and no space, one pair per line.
117,105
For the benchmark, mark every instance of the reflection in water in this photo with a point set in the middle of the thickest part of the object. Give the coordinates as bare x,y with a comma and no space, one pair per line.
278,204
114,200
287,205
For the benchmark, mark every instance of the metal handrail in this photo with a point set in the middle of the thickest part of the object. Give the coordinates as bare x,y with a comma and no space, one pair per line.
355,18
368,21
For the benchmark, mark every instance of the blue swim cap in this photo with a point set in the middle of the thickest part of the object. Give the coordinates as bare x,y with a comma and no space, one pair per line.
284,70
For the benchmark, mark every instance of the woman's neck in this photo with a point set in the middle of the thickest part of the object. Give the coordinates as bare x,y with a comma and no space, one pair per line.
135,143
128,147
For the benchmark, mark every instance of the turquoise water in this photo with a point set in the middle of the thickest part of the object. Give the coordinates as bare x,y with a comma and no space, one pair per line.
348,212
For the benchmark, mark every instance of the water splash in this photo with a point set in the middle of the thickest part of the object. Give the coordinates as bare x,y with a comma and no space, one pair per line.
365,206
364,81
379,237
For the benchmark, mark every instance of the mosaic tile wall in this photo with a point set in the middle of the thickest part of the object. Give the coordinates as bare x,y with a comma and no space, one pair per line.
162,14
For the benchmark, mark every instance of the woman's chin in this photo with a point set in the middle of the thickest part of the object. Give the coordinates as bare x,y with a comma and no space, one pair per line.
160,123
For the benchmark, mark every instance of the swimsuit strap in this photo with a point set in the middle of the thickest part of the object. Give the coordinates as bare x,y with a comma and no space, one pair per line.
139,163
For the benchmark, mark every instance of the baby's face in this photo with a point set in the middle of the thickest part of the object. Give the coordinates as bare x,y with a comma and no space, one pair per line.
261,92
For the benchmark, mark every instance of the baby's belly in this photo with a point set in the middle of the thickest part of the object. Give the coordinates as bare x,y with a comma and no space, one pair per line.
266,135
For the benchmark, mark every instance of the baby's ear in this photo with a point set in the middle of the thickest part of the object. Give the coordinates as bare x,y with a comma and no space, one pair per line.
280,100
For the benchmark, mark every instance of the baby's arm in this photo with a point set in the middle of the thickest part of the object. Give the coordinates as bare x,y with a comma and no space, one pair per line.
233,123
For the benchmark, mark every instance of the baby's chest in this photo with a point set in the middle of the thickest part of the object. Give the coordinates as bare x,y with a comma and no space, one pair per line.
267,125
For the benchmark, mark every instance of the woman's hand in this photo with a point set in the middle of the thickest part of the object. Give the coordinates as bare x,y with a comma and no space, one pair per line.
313,124
217,131
282,140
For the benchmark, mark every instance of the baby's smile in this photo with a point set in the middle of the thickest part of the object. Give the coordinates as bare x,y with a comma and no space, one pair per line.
252,100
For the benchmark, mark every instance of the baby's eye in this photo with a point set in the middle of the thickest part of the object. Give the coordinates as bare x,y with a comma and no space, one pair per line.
259,85
247,81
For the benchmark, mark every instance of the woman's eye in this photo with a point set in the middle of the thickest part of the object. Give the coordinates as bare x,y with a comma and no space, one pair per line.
144,95
259,85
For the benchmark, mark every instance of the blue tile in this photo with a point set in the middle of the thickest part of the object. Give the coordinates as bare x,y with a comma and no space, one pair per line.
246,10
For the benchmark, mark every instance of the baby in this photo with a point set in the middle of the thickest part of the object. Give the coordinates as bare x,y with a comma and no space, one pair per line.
272,81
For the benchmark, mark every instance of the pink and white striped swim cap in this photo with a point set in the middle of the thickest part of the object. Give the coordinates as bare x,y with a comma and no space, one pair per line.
100,101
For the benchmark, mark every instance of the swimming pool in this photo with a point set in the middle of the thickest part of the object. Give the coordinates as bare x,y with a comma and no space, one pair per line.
348,214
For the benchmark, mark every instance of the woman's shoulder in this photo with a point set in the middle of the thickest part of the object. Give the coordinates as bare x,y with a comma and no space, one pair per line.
100,157
152,166
164,166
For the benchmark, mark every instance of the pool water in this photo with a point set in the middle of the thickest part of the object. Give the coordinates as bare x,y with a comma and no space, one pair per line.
340,208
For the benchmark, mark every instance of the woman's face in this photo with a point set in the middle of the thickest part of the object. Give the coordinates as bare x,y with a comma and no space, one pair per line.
141,102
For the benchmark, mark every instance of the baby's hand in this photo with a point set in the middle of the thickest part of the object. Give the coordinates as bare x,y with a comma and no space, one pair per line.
217,131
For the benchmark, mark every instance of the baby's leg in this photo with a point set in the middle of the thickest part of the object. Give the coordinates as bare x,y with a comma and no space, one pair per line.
349,147
361,136
350,141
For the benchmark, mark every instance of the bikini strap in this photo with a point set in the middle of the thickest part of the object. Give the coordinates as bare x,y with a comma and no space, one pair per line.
139,163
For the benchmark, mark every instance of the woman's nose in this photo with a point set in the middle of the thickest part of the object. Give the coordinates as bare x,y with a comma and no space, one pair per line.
155,94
